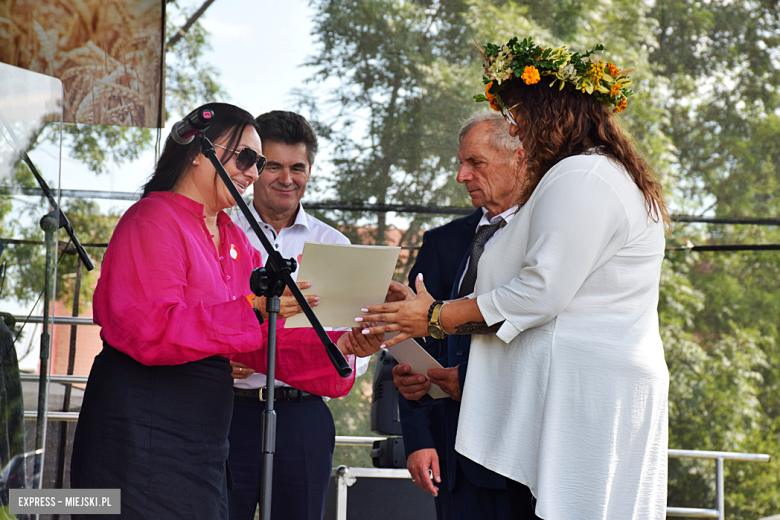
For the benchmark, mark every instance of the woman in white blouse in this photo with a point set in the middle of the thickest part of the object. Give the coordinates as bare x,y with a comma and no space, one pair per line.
567,385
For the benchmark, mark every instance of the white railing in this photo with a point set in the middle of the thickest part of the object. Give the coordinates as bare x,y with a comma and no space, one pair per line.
676,512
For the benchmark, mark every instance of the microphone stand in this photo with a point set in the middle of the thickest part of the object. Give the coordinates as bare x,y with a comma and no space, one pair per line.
270,282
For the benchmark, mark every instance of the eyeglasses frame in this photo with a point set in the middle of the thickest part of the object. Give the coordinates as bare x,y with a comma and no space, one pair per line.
506,112
238,152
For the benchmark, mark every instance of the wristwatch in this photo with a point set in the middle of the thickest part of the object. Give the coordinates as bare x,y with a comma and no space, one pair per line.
435,329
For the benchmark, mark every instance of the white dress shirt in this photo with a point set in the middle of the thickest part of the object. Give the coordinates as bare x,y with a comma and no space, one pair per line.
289,242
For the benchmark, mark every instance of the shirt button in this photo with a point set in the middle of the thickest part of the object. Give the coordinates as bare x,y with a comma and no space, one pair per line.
221,258
228,277
234,297
460,352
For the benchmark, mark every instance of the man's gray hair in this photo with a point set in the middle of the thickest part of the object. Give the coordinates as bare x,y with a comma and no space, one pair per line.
500,140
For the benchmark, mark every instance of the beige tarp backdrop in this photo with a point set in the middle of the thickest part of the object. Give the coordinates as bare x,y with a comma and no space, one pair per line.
108,54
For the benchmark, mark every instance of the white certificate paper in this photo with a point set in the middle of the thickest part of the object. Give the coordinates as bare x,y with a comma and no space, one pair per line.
409,352
346,278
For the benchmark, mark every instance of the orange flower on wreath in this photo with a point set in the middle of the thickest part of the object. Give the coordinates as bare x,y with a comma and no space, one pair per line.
491,98
530,75
614,89
621,106
612,69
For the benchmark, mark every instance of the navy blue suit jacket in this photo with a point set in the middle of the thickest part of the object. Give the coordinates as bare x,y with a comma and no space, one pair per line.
430,423
438,259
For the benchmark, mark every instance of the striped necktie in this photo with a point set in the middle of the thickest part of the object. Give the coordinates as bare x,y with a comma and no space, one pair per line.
477,248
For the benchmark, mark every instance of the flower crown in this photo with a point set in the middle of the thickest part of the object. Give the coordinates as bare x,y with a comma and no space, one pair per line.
528,61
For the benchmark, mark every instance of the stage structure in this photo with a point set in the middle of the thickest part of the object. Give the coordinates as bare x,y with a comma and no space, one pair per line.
107,53
30,119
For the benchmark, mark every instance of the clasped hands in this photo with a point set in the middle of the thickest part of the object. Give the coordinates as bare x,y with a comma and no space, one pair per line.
353,342
403,312
407,312
356,342
414,386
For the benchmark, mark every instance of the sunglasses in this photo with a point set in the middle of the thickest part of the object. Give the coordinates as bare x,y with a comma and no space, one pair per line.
246,158
506,112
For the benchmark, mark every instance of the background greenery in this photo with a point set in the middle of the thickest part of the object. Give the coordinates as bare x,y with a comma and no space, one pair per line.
706,114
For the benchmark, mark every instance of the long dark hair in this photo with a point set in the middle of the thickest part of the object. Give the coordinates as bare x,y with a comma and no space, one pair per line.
563,123
176,158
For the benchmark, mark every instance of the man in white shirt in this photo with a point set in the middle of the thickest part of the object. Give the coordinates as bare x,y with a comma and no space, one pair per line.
305,433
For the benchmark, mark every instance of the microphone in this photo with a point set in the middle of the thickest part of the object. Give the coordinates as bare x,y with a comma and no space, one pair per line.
185,130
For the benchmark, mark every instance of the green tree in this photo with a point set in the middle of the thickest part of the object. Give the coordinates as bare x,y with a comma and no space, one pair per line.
402,71
720,60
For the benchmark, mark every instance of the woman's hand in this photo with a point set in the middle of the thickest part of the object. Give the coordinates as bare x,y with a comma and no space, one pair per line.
240,371
288,305
408,317
360,344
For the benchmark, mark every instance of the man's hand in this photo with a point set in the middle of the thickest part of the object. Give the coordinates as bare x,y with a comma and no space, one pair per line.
447,379
411,386
288,305
240,371
421,464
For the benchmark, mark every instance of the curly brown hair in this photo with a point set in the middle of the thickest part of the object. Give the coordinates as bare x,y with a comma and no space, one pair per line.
562,123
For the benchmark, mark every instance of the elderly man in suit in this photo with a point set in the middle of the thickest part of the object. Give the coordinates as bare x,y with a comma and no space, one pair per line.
492,168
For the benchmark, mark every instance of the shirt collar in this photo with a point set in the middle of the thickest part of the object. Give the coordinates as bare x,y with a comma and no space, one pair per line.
506,215
301,218
196,208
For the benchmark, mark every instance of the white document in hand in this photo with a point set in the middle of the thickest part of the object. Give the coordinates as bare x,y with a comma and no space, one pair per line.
409,352
346,278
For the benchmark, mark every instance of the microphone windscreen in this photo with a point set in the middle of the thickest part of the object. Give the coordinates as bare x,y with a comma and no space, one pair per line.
178,138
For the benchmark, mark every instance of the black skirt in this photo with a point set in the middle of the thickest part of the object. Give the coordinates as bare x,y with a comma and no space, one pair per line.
158,433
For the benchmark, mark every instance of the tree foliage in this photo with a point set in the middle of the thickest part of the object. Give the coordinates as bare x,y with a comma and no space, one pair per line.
190,81
399,70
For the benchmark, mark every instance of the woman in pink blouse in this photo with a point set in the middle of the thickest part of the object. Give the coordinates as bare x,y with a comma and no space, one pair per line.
173,303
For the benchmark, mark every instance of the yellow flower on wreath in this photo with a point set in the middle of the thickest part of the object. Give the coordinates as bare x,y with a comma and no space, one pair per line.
612,69
622,104
530,75
596,71
614,89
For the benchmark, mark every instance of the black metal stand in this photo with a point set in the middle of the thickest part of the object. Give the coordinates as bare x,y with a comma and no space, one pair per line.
269,415
271,282
49,224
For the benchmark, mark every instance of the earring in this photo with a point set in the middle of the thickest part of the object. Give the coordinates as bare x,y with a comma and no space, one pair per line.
194,162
